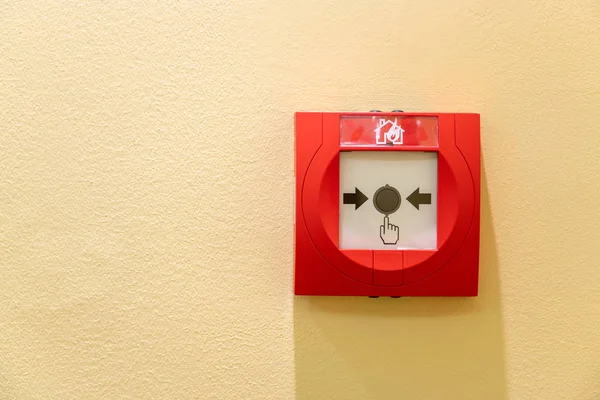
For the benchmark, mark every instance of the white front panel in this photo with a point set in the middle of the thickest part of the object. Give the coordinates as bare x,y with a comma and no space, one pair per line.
405,171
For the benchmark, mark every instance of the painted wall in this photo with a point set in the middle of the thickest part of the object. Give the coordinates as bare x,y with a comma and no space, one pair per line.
146,196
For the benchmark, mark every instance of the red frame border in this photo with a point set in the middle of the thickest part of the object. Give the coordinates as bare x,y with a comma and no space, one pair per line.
322,268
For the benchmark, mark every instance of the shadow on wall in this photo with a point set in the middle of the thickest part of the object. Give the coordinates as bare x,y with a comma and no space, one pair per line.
407,348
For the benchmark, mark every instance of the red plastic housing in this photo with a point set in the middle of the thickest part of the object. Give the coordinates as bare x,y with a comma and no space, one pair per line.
321,268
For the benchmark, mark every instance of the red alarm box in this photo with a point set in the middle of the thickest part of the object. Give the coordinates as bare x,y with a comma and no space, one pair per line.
387,204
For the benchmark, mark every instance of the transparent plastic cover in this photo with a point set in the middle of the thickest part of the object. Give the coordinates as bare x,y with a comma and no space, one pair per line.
388,131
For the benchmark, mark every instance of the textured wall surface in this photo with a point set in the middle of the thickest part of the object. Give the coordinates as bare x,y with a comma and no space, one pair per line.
146,197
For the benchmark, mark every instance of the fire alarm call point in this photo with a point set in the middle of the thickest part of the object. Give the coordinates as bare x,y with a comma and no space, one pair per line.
387,204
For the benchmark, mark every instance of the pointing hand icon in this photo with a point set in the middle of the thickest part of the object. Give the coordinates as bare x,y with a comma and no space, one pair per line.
389,233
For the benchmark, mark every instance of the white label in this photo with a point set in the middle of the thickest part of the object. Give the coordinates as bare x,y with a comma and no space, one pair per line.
388,200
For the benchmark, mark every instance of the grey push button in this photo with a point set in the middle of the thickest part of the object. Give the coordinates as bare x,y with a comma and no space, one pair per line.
387,200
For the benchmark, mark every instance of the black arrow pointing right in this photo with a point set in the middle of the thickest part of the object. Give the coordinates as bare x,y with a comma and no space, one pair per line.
416,198
357,198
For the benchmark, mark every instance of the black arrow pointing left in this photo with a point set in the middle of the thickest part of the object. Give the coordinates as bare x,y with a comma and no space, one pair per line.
357,198
417,198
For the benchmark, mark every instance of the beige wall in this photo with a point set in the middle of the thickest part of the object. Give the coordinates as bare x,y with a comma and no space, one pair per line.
146,191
